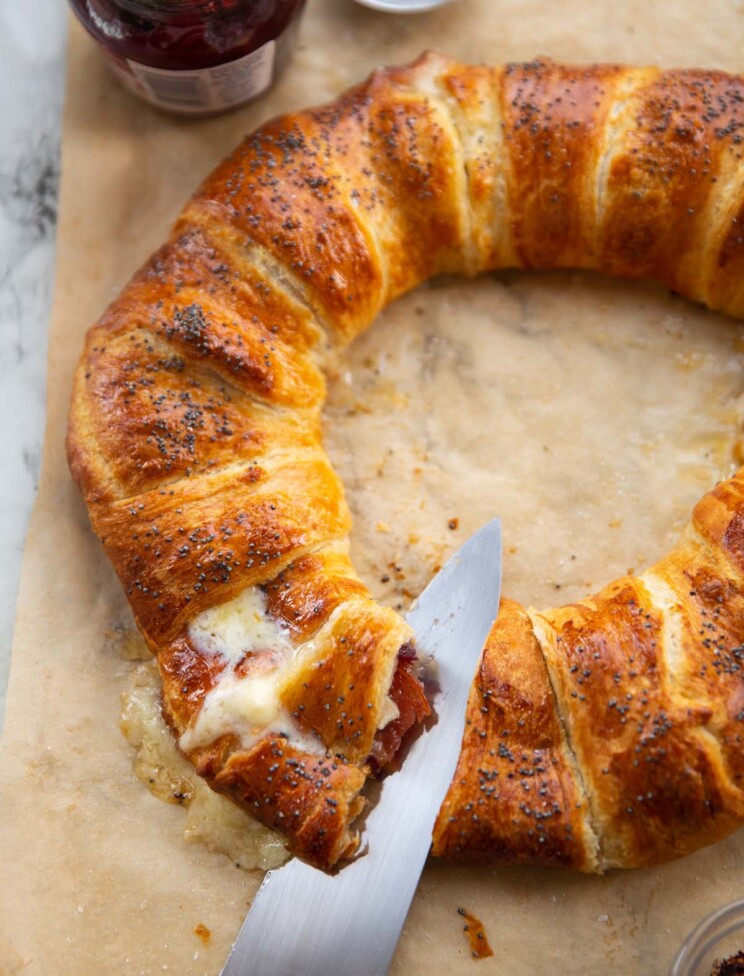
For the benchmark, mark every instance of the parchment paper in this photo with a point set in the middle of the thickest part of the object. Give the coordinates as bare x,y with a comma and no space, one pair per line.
590,414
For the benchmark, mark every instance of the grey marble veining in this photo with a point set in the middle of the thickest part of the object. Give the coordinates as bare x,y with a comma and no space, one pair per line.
32,60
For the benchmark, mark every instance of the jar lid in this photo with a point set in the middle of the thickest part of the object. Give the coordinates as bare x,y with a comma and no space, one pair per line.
403,6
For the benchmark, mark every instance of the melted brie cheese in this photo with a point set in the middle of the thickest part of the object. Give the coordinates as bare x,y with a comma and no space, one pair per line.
241,705
239,627
210,818
248,704
389,713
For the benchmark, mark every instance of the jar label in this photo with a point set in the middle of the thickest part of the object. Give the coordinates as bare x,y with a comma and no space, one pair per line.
205,89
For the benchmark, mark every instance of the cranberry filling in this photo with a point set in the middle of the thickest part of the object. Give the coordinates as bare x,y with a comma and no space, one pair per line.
408,694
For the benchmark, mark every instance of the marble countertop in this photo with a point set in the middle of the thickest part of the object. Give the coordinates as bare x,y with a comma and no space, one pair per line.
32,69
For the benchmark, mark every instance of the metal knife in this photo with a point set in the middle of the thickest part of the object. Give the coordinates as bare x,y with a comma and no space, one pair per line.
304,922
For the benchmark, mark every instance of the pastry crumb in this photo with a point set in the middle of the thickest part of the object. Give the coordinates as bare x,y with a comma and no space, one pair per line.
476,935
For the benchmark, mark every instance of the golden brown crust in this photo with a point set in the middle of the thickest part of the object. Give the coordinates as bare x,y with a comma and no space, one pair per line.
307,592
338,690
665,181
309,798
606,733
649,775
515,796
554,118
355,202
181,550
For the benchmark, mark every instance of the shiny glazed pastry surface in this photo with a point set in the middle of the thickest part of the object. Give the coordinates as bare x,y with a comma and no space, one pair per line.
601,734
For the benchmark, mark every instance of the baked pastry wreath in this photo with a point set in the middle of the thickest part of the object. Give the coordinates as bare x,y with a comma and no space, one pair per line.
602,734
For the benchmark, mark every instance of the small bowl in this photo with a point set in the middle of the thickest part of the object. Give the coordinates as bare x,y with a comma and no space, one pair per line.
403,6
718,936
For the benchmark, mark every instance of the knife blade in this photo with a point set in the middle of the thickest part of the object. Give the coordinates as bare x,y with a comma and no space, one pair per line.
304,922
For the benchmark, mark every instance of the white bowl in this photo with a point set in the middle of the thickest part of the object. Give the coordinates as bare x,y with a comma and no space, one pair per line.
403,6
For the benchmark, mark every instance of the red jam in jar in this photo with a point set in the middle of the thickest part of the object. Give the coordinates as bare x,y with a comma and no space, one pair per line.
195,57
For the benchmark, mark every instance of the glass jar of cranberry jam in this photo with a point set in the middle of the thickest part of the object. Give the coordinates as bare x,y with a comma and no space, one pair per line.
194,57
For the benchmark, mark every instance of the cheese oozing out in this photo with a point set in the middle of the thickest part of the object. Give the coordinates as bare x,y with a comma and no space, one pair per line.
248,704
239,627
210,818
